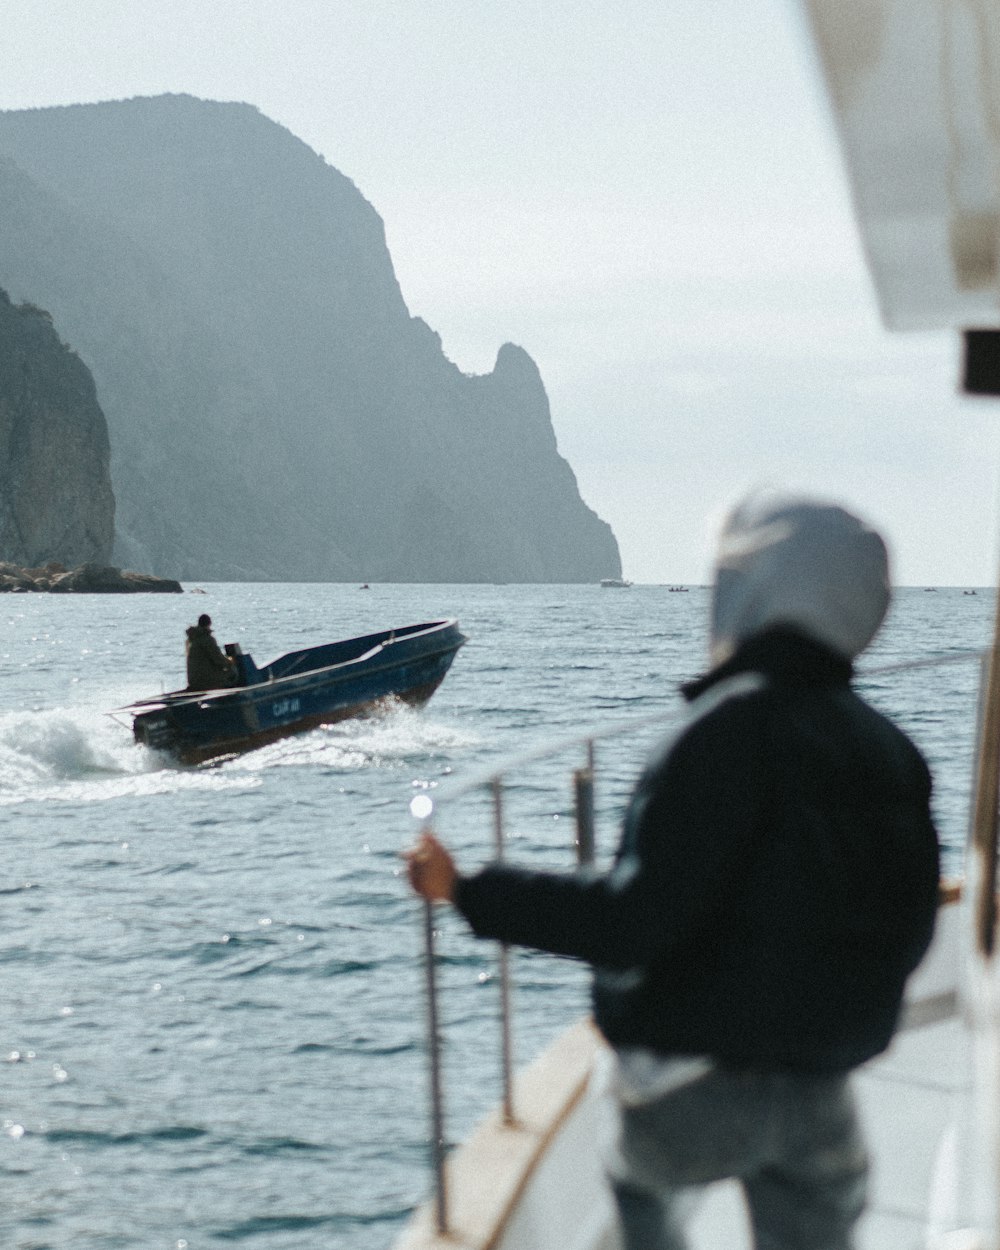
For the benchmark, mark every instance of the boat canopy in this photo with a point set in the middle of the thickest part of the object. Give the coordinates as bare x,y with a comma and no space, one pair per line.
915,89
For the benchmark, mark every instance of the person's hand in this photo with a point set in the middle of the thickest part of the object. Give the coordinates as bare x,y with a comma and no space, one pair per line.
431,870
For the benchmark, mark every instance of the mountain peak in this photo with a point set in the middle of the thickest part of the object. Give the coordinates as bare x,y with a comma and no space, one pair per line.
269,397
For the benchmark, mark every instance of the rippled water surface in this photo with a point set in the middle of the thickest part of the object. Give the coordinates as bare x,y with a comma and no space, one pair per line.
213,1025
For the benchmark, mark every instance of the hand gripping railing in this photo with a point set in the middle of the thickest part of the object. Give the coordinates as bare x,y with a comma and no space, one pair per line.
423,809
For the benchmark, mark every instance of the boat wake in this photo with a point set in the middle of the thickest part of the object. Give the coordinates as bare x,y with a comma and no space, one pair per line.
80,755
395,737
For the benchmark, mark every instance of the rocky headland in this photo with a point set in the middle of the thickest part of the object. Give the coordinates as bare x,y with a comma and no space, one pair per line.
88,578
275,411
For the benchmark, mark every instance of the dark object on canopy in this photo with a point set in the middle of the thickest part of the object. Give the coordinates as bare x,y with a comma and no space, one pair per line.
981,373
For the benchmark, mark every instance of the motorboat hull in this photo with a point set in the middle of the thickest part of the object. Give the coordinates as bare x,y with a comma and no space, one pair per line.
300,691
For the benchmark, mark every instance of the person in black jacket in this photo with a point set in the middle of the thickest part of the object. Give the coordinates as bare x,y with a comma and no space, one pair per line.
208,666
775,885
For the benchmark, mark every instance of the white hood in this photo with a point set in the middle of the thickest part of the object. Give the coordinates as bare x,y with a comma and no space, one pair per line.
801,563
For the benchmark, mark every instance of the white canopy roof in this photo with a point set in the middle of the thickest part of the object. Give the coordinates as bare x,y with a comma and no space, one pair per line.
915,87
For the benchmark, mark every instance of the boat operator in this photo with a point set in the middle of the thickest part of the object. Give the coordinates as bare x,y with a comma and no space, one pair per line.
208,666
775,885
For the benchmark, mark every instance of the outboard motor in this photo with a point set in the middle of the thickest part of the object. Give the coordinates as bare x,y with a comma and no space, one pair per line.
245,668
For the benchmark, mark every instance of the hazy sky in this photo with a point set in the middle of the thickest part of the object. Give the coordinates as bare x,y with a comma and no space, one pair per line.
646,197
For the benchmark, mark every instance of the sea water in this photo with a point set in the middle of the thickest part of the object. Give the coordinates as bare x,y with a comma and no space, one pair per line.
213,1018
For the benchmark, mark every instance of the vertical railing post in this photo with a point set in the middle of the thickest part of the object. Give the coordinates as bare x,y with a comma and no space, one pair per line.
986,824
506,1048
583,798
437,1088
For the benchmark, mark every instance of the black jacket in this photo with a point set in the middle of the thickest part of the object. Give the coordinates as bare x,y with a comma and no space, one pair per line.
208,666
776,881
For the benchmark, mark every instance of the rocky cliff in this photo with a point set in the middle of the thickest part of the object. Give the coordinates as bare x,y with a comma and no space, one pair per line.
275,411
55,488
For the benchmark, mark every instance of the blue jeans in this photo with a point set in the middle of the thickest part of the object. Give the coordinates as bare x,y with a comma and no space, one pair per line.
791,1140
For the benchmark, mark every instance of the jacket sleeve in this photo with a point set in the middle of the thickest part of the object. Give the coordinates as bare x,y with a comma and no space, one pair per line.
691,821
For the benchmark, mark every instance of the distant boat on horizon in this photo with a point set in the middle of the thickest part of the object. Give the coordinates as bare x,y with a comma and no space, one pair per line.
610,583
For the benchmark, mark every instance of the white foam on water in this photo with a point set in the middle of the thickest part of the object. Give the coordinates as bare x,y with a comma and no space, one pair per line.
399,735
76,754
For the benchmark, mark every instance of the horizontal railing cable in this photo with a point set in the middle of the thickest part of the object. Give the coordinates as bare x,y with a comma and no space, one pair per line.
483,778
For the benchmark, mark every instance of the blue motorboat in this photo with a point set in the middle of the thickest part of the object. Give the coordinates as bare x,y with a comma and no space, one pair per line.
300,691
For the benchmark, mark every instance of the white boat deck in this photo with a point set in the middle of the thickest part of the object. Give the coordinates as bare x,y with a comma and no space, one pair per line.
509,1187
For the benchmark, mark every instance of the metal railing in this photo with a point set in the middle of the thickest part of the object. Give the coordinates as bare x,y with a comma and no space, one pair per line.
423,808
492,780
